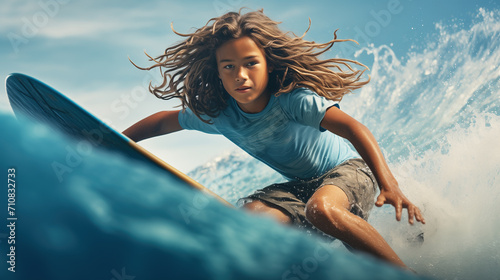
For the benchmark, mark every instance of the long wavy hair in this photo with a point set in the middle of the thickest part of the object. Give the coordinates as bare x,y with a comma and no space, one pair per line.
189,68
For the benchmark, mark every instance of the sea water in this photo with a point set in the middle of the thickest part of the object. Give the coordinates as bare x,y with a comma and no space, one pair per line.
83,213
436,114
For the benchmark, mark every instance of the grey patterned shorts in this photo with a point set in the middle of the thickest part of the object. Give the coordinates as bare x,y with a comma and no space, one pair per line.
353,177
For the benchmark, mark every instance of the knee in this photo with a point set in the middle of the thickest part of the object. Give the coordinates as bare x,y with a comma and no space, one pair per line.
315,209
321,212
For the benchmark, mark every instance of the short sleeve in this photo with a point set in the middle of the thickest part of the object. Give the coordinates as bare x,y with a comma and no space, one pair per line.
188,120
307,107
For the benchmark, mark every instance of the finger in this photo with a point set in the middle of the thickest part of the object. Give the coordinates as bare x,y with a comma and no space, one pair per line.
380,201
399,211
411,214
419,216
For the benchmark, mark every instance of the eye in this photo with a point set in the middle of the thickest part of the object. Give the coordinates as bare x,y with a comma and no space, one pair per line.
229,66
253,63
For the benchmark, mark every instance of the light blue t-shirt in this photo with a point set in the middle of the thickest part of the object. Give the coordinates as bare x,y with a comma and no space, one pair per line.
286,135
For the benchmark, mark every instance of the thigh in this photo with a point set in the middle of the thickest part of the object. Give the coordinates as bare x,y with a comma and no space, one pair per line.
260,207
277,199
356,180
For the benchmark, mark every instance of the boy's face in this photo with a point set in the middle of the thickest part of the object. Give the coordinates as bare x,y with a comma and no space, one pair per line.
244,73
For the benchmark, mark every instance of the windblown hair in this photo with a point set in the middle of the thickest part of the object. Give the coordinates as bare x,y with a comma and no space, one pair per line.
190,73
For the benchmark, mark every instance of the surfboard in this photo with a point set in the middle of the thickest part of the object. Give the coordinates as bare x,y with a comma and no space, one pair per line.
42,103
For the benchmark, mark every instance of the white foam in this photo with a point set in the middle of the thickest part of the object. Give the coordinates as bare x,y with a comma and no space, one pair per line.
458,191
436,115
414,99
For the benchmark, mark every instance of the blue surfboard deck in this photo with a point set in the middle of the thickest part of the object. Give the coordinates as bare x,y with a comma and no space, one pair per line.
36,100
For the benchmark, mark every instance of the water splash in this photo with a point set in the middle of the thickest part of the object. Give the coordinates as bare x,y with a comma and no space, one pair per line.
458,193
439,127
413,102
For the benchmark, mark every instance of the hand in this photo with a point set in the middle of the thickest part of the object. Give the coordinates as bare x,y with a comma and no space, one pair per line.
397,199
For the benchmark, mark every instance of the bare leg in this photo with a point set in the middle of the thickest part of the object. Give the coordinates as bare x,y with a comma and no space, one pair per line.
260,207
328,210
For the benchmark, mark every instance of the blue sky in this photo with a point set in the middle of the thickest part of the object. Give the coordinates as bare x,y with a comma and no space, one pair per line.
82,47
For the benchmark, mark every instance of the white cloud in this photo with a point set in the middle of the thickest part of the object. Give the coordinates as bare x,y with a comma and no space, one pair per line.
12,12
82,18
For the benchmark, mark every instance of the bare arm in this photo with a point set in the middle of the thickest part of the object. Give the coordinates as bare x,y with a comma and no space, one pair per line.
363,140
157,124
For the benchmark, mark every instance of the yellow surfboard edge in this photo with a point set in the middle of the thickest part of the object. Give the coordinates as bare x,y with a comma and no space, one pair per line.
177,173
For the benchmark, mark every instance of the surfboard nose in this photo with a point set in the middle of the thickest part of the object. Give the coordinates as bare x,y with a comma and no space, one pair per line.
13,77
17,86
15,82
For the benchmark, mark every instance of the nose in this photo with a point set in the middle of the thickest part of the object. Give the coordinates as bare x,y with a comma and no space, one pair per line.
241,75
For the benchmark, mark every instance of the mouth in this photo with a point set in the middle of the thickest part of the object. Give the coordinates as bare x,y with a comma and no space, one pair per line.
243,89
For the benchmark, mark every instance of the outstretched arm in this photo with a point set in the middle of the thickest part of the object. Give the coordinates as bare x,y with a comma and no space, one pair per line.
338,122
155,125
